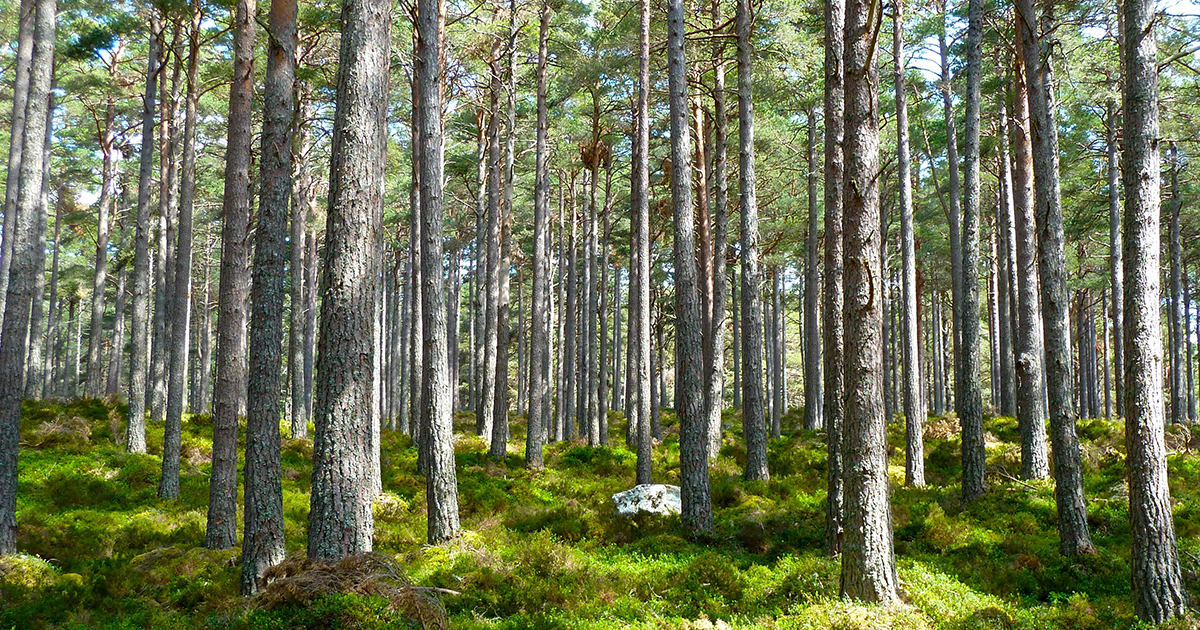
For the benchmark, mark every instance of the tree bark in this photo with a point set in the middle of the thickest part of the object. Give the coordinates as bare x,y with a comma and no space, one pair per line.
1114,254
1177,362
440,481
971,403
340,521
868,560
179,309
135,437
753,421
831,307
21,71
1158,592
813,402
231,289
262,540
914,404
1074,537
100,275
954,217
1009,303
539,365
1029,351
697,513
19,294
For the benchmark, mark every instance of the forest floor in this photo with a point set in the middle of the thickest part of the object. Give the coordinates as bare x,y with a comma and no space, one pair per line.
546,550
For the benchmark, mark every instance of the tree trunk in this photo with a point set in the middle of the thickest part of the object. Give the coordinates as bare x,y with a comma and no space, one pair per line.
340,521
440,481
499,439
179,309
954,217
1178,383
1114,255
262,540
697,513
296,240
100,276
640,295
1068,467
813,403
1029,351
1008,302
232,287
970,401
753,421
35,362
113,379
19,294
539,364
22,71
831,307
914,404
135,437
1158,592
485,413
868,561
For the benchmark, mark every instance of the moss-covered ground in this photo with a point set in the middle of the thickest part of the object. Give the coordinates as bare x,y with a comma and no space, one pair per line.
545,549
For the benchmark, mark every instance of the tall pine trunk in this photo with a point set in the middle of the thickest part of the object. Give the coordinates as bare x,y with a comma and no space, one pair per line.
914,404
340,521
262,540
1074,537
831,307
868,560
231,288
1158,592
753,419
971,404
697,513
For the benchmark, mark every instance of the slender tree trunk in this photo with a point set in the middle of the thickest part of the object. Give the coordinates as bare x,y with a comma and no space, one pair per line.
310,324
262,540
971,397
21,71
813,403
296,240
50,361
35,361
697,513
499,441
1114,255
955,216
232,287
440,481
753,421
484,415
1029,351
19,294
539,365
831,307
868,560
1074,537
113,379
1178,382
100,275
135,437
640,296
179,308
914,407
1158,592
1008,302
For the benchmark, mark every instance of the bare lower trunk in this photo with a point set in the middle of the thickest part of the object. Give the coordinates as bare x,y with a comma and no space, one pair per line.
971,403
868,560
539,346
1158,592
914,404
697,513
813,401
753,419
262,539
831,307
135,437
440,481
1029,352
27,18
1074,537
231,291
180,305
340,521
